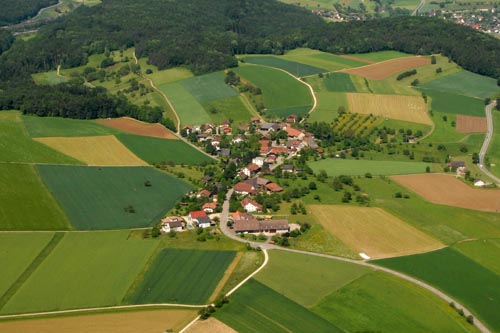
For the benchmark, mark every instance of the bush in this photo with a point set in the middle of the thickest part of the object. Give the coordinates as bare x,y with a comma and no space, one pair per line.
470,319
406,74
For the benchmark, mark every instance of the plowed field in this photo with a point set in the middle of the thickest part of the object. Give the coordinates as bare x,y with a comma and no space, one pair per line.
469,124
137,127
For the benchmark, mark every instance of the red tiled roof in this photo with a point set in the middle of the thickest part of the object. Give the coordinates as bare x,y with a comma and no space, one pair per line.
244,187
210,205
247,201
273,187
198,214
253,167
293,132
278,150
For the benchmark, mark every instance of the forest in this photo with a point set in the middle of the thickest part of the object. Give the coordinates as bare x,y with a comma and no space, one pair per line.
15,11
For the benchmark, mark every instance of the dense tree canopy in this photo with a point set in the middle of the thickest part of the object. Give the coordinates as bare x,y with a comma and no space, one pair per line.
15,11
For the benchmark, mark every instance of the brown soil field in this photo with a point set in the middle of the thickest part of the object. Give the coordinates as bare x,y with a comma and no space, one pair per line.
382,70
94,150
345,56
152,321
469,124
445,189
407,108
133,126
211,325
226,276
373,231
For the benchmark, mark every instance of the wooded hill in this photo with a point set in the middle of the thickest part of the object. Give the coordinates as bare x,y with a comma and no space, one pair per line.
15,11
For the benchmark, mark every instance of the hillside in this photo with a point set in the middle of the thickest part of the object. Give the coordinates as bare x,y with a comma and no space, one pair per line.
14,11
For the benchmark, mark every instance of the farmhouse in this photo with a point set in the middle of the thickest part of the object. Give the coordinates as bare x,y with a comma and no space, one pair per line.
241,216
291,119
288,168
209,207
172,223
272,187
251,169
258,161
250,205
456,164
256,226
199,218
270,127
244,188
294,133
204,193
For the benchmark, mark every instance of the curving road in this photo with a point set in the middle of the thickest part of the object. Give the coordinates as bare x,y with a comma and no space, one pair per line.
486,143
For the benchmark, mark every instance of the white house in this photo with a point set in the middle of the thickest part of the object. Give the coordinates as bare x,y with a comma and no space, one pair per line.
258,161
479,183
172,223
250,205
199,218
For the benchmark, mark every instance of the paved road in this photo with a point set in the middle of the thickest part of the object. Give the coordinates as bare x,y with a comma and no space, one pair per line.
486,143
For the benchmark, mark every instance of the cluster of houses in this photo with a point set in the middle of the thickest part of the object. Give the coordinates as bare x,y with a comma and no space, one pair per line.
198,219
461,170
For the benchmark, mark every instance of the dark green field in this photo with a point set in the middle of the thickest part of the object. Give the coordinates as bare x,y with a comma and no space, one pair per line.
100,198
257,308
466,83
208,87
455,104
53,126
183,276
292,67
339,82
155,150
472,284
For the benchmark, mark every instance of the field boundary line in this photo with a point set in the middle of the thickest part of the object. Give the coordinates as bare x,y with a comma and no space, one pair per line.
189,325
266,260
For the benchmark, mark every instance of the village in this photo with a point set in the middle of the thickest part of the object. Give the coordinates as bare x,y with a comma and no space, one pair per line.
485,20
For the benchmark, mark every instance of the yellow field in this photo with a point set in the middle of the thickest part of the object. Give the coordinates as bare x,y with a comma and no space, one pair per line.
122,322
211,325
94,150
407,108
373,231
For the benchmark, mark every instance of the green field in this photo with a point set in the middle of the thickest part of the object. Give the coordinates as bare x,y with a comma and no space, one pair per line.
328,106
379,302
17,146
208,87
233,108
472,284
295,68
466,83
48,78
17,251
53,126
155,150
455,104
98,197
282,94
338,166
339,82
190,111
381,55
26,204
165,76
183,276
257,308
493,153
300,269
319,59
484,251
84,270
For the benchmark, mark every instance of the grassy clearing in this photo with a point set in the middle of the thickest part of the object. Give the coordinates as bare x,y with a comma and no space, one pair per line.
17,251
187,107
94,150
208,87
155,150
300,269
443,130
84,270
292,67
48,78
381,56
444,102
340,82
257,308
484,251
26,204
282,94
233,108
54,126
466,83
16,146
474,285
328,105
112,198
336,167
183,276
382,302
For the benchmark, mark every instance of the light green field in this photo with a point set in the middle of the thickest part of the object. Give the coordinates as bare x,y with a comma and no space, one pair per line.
337,166
282,94
17,251
443,131
328,106
233,108
58,127
339,82
484,251
407,4
296,68
493,153
301,270
456,104
466,83
84,270
379,302
25,202
165,76
16,146
48,78
381,55
190,111
320,59
208,87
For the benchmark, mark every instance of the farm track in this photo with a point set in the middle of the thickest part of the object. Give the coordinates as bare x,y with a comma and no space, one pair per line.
486,143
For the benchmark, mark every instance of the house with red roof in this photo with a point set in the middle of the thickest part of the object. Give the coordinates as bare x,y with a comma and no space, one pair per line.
209,207
273,187
244,188
251,169
199,218
250,205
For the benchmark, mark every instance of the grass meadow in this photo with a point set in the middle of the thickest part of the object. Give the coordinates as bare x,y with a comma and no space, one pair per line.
328,106
295,68
48,78
234,108
444,102
208,87
26,204
483,251
381,55
257,308
190,111
84,270
328,61
105,198
339,82
469,282
467,84
183,276
57,127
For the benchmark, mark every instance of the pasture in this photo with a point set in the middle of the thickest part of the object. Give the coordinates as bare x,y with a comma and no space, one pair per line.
98,198
17,146
445,189
300,269
328,61
257,308
48,78
282,94
483,251
339,82
373,231
466,83
186,105
406,108
208,87
448,270
56,126
94,150
380,56
154,150
328,106
338,166
166,75
234,108
493,152
292,67
468,124
379,302
17,251
385,69
26,204
134,126
84,270
183,276
444,102
113,322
